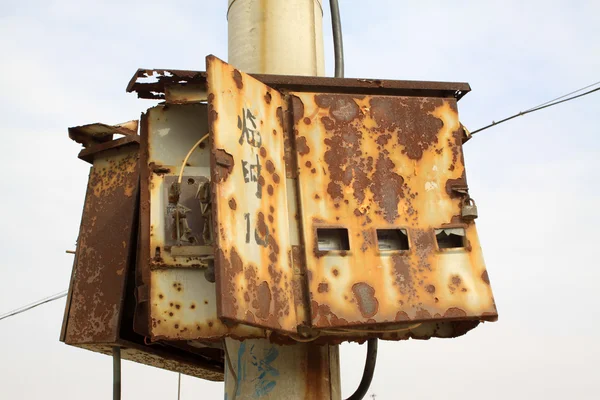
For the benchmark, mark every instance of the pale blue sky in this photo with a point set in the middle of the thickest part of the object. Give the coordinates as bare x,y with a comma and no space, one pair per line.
65,63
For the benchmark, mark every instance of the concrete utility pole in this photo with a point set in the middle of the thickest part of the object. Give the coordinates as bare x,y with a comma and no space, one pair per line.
279,37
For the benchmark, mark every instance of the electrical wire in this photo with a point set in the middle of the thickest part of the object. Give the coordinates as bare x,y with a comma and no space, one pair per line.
183,164
187,157
306,340
368,373
565,95
34,305
338,47
349,330
338,43
541,107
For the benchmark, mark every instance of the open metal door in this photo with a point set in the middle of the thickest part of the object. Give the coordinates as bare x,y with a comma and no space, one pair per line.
253,264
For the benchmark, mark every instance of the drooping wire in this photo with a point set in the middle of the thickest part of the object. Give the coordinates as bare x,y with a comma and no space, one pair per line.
34,305
187,157
338,42
179,179
542,106
368,373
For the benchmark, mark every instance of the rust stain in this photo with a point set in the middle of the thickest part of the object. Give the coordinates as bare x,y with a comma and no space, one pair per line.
396,113
323,287
485,277
224,165
301,146
232,204
365,297
237,78
387,188
386,163
264,300
454,312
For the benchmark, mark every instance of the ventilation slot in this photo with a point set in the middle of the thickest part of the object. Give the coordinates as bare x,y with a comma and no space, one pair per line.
450,238
392,239
332,239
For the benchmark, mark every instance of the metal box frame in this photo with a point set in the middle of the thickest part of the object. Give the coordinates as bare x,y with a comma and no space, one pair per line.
101,299
406,173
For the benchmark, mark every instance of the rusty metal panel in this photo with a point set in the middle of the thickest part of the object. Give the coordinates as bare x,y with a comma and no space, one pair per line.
104,247
370,164
181,300
159,84
90,134
101,301
252,247
159,357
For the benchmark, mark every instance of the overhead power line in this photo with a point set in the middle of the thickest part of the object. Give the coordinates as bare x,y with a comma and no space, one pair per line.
34,305
547,104
565,95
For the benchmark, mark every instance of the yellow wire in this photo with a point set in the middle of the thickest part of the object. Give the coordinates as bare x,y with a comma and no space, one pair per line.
349,330
185,160
305,340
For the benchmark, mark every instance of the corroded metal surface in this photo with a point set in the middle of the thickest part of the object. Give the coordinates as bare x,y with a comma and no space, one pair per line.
91,134
378,162
99,309
157,356
369,163
104,247
252,247
181,301
160,84
184,308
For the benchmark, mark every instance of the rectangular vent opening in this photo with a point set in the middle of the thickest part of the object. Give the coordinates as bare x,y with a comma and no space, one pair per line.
392,239
332,239
450,238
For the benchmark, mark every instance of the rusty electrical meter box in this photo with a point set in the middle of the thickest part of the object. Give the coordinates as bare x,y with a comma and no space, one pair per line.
101,299
331,209
283,207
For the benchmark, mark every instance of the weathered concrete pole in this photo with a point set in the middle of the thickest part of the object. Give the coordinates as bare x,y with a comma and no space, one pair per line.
276,37
279,37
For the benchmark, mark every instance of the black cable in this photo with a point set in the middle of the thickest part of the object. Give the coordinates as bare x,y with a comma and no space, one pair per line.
338,43
541,107
368,373
116,353
338,47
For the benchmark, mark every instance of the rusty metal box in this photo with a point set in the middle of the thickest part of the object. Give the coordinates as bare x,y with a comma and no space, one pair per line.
101,300
333,211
